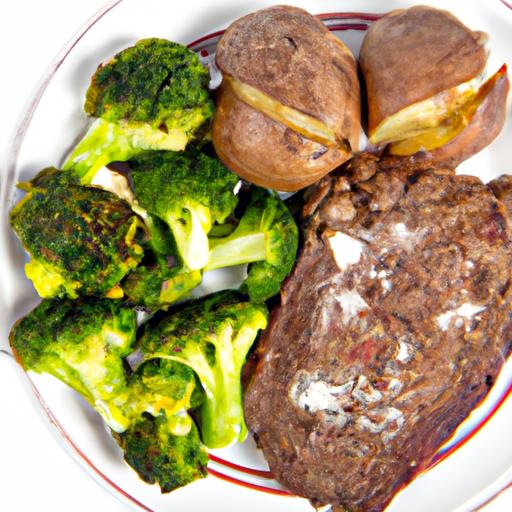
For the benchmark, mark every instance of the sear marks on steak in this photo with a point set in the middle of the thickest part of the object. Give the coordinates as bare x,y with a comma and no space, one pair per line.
392,327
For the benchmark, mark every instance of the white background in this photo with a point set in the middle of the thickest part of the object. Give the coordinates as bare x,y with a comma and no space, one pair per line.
35,473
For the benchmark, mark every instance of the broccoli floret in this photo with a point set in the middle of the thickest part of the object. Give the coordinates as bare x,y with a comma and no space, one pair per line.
161,442
266,237
160,457
153,95
189,191
213,337
82,241
157,287
82,343
161,387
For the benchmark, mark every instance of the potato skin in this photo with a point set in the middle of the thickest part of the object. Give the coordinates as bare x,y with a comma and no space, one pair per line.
483,128
288,54
265,152
412,54
291,56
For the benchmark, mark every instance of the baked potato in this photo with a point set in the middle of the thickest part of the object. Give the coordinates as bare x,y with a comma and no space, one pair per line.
288,110
424,71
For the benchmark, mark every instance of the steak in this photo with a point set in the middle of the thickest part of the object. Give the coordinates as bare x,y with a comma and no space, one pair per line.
392,327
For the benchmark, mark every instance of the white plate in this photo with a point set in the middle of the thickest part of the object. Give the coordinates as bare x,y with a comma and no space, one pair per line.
475,464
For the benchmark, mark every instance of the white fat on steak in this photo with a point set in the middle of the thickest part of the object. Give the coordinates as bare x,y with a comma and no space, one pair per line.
351,303
382,420
312,394
345,250
405,238
464,312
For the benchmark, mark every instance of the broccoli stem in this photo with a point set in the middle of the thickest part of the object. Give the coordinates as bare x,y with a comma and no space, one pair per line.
245,249
107,142
222,417
190,230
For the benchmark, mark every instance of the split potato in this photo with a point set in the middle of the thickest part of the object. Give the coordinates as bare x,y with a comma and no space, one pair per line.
408,57
424,73
471,133
288,110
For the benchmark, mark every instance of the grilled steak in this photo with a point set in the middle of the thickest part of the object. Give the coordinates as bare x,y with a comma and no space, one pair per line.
391,329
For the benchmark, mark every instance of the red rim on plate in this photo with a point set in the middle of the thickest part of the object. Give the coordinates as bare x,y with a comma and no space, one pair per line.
221,468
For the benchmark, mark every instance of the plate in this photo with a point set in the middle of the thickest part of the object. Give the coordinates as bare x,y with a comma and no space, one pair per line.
469,470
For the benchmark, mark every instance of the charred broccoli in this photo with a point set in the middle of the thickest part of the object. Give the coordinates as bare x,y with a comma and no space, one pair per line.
82,343
212,336
189,191
160,457
82,241
158,286
153,95
266,237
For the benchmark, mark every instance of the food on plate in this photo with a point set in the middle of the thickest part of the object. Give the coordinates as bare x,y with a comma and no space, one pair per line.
424,71
191,360
82,343
158,285
475,126
212,336
392,327
396,319
159,457
81,241
153,95
288,109
189,191
162,443
267,238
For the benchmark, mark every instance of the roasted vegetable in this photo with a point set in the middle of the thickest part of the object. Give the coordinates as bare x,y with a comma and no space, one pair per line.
82,343
190,192
266,237
288,110
158,286
212,336
153,95
160,457
82,241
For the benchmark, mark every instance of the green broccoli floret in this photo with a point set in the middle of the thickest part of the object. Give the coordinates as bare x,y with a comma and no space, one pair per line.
153,95
213,337
161,442
82,241
157,287
160,457
82,343
266,237
189,191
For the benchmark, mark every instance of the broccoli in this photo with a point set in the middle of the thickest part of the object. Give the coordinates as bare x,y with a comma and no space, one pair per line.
160,457
213,337
157,286
82,241
189,191
153,95
82,343
161,442
266,237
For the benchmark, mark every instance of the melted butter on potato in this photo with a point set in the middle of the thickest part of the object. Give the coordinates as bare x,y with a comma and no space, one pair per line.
449,128
304,124
426,114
